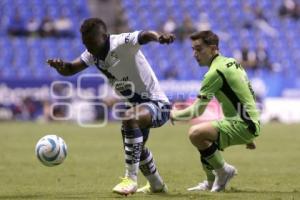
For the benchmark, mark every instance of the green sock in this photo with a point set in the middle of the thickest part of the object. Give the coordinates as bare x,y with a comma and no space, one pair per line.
208,170
213,156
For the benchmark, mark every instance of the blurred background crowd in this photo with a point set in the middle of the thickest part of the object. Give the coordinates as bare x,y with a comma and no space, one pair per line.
261,34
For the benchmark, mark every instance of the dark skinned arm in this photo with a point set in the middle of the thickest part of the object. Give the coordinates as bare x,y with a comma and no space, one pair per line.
153,36
67,68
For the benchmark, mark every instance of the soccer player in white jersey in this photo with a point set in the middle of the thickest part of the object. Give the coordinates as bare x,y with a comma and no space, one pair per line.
119,58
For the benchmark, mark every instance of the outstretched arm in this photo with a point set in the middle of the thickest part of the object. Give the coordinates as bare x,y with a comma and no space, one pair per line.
149,36
194,110
67,68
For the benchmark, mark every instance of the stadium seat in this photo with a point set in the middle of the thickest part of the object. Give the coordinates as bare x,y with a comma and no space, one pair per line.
33,52
232,25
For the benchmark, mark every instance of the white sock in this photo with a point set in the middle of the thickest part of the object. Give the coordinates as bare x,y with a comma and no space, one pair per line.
155,181
149,170
132,171
133,149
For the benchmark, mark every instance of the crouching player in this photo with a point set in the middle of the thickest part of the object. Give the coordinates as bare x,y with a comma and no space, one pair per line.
228,82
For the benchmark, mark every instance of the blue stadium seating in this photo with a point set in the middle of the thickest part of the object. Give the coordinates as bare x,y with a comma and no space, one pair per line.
28,59
29,54
283,50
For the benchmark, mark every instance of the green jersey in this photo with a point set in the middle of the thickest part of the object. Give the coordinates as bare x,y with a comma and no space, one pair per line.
228,82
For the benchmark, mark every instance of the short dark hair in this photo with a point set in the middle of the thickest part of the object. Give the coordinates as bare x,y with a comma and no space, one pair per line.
208,37
92,26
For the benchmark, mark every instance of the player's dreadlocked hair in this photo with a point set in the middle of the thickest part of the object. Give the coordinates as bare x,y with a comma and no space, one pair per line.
92,26
208,37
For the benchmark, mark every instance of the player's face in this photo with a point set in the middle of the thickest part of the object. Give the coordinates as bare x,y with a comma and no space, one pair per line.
202,52
94,45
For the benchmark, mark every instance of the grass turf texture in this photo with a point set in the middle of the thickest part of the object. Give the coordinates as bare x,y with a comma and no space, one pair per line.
95,161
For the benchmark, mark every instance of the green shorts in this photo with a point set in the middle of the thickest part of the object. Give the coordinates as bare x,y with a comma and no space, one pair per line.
233,132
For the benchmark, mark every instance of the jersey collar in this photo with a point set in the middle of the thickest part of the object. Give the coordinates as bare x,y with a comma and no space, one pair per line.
212,59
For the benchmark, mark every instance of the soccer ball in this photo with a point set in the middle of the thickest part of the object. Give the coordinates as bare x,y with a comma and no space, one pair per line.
51,150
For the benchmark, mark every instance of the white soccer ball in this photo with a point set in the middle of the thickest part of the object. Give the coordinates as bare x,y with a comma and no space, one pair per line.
51,150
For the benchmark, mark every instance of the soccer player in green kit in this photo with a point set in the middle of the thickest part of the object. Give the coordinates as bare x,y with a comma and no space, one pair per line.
227,81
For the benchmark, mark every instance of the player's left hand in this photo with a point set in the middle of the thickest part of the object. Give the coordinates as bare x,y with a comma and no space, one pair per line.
251,146
166,38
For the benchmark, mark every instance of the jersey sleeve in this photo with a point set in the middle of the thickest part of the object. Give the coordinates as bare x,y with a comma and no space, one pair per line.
210,85
195,110
87,58
130,39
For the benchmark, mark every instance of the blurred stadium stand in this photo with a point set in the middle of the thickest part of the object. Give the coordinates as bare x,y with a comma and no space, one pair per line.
24,58
225,16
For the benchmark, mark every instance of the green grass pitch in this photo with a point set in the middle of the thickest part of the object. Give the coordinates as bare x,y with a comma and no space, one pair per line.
95,162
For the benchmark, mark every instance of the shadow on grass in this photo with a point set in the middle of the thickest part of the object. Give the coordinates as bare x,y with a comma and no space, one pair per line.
171,195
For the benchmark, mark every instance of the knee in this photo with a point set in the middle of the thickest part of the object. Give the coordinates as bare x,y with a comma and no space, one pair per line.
194,134
197,133
129,120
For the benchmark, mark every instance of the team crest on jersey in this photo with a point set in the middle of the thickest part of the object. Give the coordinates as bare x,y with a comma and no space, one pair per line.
114,59
100,63
114,56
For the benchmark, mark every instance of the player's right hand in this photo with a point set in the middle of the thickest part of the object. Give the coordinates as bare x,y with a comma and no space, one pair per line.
166,38
56,63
